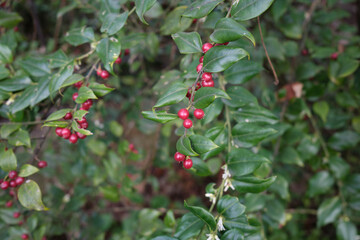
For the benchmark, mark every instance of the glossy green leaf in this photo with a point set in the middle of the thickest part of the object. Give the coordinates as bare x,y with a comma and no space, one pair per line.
72,79
320,183
15,84
29,195
344,140
252,184
58,59
188,42
202,214
188,227
174,22
58,114
7,129
206,95
108,51
242,161
27,170
248,9
76,128
233,234
250,134
100,90
61,124
169,219
200,168
116,128
322,109
328,211
113,23
339,167
346,230
36,67
289,155
219,58
252,114
230,207
159,116
9,19
60,77
201,8
242,71
4,73
5,54
97,147
183,146
142,6
275,209
202,144
175,93
85,93
227,30
212,111
79,114
240,97
20,138
8,160
80,36
281,187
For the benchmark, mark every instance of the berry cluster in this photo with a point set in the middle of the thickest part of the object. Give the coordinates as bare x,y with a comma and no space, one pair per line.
187,162
13,182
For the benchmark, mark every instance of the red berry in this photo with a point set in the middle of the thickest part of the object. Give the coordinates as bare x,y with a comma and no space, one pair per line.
73,138
225,43
207,83
84,125
68,116
199,113
12,174
74,96
80,135
9,204
16,28
16,214
104,74
334,56
89,102
206,47
194,20
131,147
43,238
25,236
127,52
78,84
183,113
42,164
187,123
58,131
198,86
12,193
12,183
4,185
85,107
66,133
98,71
179,157
201,60
304,52
199,67
21,223
206,76
118,60
19,180
82,120
188,163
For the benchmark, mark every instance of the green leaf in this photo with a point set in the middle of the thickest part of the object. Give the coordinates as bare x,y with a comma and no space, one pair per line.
20,138
8,160
230,207
281,187
110,193
176,93
202,144
339,167
15,84
36,67
113,23
147,218
320,183
275,209
227,30
29,195
61,124
188,42
322,109
188,227
5,54
58,114
252,114
242,71
219,58
108,51
97,147
159,116
58,59
240,97
100,90
116,128
328,211
344,140
248,9
169,219
142,6
200,168
233,234
85,93
80,36
174,22
4,73
346,230
250,134
201,8
75,127
27,170
289,155
9,19
58,79
7,129
206,95
183,146
252,184
72,79
202,214
242,161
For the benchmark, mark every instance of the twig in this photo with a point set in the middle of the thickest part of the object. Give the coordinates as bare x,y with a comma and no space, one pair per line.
267,54
58,26
22,123
308,16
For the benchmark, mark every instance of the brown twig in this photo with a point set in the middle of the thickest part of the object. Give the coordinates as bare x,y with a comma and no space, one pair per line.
267,54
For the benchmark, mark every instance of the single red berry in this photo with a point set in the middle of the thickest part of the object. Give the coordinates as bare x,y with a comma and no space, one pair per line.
104,74
118,60
25,236
98,71
4,185
131,147
194,20
58,131
127,52
66,133
80,135
78,84
89,102
187,123
12,183
84,125
9,204
12,174
183,113
304,52
188,163
42,164
16,28
20,223
179,157
74,96
206,76
206,47
19,180
68,116
334,56
207,83
201,60
73,138
85,107
12,193
82,120
199,67
199,113
16,214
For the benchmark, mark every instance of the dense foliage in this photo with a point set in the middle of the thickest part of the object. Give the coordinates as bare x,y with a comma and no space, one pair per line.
175,120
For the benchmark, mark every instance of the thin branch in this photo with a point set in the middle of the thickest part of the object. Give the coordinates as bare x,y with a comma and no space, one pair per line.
23,123
308,16
267,54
